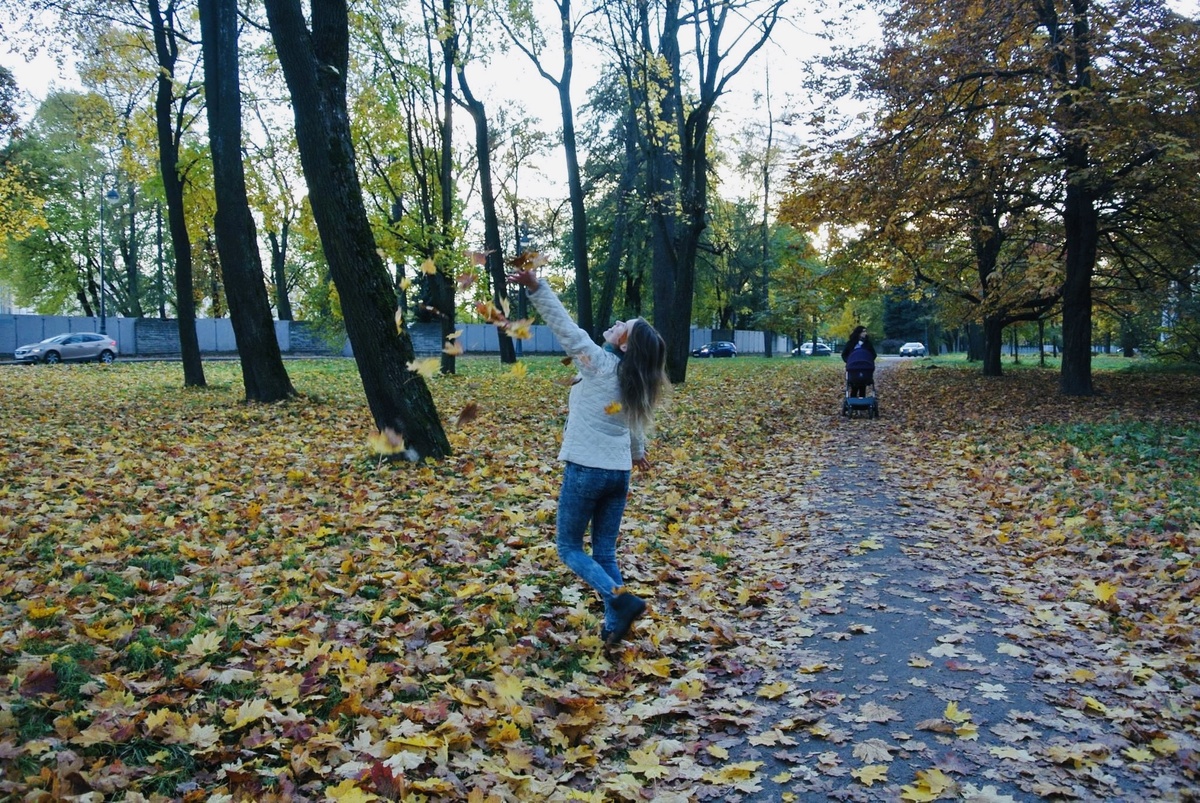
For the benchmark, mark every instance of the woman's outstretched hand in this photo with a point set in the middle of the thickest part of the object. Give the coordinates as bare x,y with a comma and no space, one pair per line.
641,464
526,278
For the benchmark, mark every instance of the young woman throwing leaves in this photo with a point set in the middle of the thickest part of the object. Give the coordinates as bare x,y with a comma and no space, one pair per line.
610,409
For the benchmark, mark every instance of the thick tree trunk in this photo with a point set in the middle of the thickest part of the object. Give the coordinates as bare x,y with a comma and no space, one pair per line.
1082,233
314,65
263,372
993,346
1070,66
168,156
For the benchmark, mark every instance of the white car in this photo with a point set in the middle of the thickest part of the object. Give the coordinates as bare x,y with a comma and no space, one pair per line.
69,347
810,350
912,350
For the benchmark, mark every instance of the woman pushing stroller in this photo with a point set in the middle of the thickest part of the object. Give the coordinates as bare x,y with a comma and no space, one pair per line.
859,356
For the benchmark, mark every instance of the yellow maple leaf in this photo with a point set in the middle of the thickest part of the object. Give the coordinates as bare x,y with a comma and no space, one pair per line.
1165,746
510,689
716,751
1138,754
773,691
519,370
453,348
399,320
612,408
521,330
935,780
248,712
428,268
732,773
348,792
426,367
1105,591
645,762
916,793
954,715
203,644
871,773
405,283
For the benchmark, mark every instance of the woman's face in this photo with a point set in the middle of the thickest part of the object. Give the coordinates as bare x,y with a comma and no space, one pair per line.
617,335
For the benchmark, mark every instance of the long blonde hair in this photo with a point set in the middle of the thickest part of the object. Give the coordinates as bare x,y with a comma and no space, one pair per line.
641,375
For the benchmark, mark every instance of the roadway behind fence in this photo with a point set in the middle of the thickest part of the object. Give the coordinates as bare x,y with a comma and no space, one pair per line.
154,337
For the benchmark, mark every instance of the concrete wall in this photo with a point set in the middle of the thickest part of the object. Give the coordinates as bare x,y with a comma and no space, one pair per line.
152,337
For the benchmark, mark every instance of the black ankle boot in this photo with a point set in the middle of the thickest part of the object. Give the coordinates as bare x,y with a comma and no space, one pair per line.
628,608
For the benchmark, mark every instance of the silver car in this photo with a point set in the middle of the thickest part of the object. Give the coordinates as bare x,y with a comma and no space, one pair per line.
70,347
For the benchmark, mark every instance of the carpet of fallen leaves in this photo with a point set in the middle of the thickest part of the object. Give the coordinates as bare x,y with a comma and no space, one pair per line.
206,600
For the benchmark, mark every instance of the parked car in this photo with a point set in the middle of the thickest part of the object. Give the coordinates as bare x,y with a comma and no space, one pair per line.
69,347
717,348
912,350
809,350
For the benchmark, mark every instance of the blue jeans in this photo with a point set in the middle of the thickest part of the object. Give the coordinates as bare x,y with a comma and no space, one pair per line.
595,495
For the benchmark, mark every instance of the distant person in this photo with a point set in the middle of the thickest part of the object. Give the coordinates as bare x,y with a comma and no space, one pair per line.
859,356
609,411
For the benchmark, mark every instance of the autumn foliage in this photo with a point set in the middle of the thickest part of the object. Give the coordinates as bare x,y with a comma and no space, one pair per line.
202,599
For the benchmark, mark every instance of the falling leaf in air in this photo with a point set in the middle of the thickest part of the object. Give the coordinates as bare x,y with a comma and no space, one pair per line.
465,280
518,370
426,367
521,330
428,267
528,260
399,320
614,407
405,283
490,313
469,413
386,441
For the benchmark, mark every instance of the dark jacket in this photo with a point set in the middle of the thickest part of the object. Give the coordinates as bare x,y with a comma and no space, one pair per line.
859,355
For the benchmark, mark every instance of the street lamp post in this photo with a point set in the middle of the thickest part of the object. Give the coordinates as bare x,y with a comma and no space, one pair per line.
109,197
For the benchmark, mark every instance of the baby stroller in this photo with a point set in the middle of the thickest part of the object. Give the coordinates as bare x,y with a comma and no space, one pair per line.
860,392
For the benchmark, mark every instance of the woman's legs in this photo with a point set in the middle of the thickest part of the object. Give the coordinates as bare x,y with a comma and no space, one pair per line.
597,497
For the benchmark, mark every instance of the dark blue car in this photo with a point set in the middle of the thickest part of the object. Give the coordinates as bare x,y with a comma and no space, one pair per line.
717,348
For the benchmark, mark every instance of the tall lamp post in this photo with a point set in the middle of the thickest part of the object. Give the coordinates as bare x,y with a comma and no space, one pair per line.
109,196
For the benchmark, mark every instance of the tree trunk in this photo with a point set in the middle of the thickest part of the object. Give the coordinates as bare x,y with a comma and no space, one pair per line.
491,218
616,245
166,52
1082,233
279,246
314,65
1070,67
579,246
263,372
133,290
974,342
993,346
441,284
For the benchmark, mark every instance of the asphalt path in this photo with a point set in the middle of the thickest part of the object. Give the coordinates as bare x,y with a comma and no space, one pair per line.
902,657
